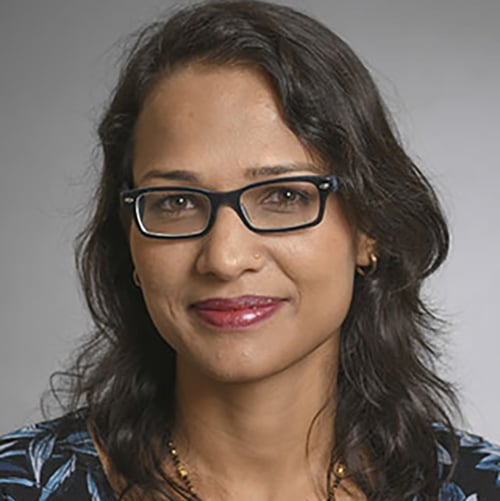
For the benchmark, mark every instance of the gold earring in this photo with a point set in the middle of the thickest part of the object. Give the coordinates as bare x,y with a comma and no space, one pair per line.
363,271
136,279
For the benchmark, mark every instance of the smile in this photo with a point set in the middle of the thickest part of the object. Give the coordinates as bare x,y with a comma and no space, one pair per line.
238,312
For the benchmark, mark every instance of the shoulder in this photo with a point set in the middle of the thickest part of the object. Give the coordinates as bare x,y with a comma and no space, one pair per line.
474,464
53,457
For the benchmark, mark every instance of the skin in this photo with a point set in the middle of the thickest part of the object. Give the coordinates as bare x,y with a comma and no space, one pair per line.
246,398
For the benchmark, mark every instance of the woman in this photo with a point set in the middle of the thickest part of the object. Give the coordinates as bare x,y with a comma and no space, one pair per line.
253,268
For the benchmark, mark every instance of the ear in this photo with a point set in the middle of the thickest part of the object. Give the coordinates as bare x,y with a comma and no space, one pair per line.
365,246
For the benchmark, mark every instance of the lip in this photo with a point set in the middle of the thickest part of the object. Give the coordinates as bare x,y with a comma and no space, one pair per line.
236,312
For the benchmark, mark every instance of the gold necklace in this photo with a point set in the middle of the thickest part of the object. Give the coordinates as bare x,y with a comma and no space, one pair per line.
339,472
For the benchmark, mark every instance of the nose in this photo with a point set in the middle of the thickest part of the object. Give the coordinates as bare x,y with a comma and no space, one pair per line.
230,249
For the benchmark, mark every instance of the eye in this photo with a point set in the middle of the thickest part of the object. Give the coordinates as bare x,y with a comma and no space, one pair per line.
170,203
285,195
290,195
176,202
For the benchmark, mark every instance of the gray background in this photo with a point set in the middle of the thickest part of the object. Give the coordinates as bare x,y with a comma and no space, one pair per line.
437,64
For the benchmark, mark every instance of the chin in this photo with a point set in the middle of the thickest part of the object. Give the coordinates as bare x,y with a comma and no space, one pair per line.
245,369
236,368
234,373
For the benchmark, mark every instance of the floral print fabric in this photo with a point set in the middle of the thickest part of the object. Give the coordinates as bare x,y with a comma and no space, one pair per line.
54,460
57,460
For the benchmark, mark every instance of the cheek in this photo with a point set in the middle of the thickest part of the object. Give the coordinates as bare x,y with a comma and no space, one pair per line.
162,267
163,270
323,270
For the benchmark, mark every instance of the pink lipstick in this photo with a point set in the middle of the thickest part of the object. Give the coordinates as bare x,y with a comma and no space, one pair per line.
237,312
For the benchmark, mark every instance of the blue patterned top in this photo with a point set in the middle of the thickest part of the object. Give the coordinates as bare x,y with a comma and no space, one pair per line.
57,460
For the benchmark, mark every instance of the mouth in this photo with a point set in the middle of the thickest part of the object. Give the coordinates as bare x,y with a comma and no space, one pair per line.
237,312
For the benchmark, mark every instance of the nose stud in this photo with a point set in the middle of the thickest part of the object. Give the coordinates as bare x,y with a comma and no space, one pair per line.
256,256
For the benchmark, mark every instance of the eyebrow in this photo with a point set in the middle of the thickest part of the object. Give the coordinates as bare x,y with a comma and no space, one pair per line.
250,173
274,170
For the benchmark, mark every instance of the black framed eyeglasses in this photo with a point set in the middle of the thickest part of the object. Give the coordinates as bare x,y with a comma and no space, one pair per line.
273,206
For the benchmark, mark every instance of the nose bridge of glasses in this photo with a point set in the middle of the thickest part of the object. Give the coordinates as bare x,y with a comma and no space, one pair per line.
230,199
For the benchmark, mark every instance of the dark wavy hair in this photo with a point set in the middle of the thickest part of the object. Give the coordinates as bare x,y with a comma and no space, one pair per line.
388,390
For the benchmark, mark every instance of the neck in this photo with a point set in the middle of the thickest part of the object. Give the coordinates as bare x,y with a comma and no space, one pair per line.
262,434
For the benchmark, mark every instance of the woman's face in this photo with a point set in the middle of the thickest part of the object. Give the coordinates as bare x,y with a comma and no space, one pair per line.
236,305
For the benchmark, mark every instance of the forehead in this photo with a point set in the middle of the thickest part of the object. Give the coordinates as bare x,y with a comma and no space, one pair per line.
215,120
226,85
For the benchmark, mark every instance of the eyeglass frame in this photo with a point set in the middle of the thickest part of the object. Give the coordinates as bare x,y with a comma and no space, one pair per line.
324,184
